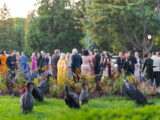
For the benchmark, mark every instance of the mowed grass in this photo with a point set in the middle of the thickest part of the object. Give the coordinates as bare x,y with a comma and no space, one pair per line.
105,108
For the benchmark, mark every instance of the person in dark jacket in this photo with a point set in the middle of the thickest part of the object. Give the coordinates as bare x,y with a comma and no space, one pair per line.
103,61
76,63
109,64
126,64
132,61
54,61
38,60
148,64
120,63
10,61
42,62
96,62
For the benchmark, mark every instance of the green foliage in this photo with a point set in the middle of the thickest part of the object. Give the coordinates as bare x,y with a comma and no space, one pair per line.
112,86
122,24
18,37
55,27
6,28
3,84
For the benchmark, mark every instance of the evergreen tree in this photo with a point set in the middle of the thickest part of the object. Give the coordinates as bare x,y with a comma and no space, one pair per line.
6,29
18,37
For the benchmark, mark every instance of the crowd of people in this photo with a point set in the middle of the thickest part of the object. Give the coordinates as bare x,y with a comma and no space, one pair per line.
60,65
67,66
134,65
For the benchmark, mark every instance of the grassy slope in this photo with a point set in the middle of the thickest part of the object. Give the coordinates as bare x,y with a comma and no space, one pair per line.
102,109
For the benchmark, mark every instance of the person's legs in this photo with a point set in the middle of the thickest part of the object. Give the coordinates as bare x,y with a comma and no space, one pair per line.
25,66
119,70
150,75
157,78
109,70
132,72
154,77
74,75
55,73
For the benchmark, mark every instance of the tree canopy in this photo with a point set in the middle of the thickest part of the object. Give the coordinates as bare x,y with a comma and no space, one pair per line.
123,24
55,27
113,25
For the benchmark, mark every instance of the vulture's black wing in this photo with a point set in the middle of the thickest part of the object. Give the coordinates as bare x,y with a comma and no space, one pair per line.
38,94
74,97
124,91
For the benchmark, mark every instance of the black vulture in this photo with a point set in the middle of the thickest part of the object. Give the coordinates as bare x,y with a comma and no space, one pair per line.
45,85
29,75
124,91
71,99
84,98
38,94
132,92
27,100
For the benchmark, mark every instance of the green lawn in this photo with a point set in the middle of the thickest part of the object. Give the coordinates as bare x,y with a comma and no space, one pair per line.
101,109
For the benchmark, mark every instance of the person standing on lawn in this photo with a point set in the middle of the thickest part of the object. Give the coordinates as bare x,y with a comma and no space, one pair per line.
148,64
137,67
103,63
108,67
54,62
68,58
153,55
38,60
18,57
132,61
62,69
24,61
119,63
126,64
86,61
33,58
46,63
3,62
96,62
156,69
9,61
49,64
42,62
76,64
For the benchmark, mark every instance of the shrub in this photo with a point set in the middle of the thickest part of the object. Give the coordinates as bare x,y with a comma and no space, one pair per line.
147,89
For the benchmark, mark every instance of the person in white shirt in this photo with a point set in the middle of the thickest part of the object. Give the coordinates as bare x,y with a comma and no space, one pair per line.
153,55
156,68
